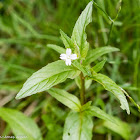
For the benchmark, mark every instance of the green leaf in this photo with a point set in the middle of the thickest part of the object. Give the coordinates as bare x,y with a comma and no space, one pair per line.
122,128
56,48
20,124
79,35
86,106
95,111
67,41
99,66
66,98
111,86
50,75
86,70
78,82
96,53
78,126
87,82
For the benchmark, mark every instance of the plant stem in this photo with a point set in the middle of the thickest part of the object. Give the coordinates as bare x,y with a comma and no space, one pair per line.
110,33
82,92
112,23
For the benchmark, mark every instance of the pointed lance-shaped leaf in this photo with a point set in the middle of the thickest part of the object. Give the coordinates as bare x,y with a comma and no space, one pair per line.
45,78
66,98
20,124
111,86
122,128
79,35
96,111
67,41
99,66
96,53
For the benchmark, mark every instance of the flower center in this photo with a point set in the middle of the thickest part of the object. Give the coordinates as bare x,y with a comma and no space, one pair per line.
68,56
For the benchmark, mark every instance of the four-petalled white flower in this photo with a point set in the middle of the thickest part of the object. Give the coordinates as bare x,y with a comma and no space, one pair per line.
68,57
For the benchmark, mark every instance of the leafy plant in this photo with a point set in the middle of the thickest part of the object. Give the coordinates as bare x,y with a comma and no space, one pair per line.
79,122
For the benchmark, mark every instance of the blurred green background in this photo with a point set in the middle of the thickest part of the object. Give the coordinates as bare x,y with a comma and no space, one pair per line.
27,26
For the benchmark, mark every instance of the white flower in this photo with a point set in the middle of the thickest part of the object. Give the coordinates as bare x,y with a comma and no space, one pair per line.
68,57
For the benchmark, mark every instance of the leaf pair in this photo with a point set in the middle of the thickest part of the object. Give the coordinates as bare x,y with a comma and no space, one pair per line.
79,125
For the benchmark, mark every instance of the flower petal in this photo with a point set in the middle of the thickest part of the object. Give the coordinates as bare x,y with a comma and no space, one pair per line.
63,56
68,52
73,57
68,62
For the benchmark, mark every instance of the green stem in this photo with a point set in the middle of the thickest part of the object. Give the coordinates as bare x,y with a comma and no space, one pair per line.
82,92
110,33
112,22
